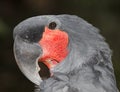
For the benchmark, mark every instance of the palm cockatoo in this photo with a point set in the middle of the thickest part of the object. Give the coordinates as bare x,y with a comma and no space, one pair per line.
77,57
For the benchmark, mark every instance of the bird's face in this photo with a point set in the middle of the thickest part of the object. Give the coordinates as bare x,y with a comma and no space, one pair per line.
62,42
36,40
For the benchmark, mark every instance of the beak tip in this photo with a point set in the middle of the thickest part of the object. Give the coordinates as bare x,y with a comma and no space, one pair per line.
26,56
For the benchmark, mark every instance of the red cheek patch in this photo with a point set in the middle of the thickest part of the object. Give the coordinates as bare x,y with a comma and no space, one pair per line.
54,45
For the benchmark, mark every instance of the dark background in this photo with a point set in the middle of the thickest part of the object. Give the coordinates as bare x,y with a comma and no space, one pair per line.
104,14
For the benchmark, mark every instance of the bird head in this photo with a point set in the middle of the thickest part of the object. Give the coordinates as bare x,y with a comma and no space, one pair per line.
61,42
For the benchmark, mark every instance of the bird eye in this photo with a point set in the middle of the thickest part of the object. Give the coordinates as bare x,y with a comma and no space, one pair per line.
52,25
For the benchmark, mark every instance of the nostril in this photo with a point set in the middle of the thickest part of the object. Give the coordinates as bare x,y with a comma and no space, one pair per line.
44,71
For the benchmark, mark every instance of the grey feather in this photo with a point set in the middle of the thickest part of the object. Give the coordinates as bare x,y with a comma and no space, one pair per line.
88,67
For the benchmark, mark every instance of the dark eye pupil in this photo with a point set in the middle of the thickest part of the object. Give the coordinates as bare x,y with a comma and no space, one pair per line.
52,25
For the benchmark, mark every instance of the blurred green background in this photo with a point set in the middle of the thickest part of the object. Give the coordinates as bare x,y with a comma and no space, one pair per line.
104,14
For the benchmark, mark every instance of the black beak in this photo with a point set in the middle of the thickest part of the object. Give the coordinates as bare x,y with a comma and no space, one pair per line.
27,55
